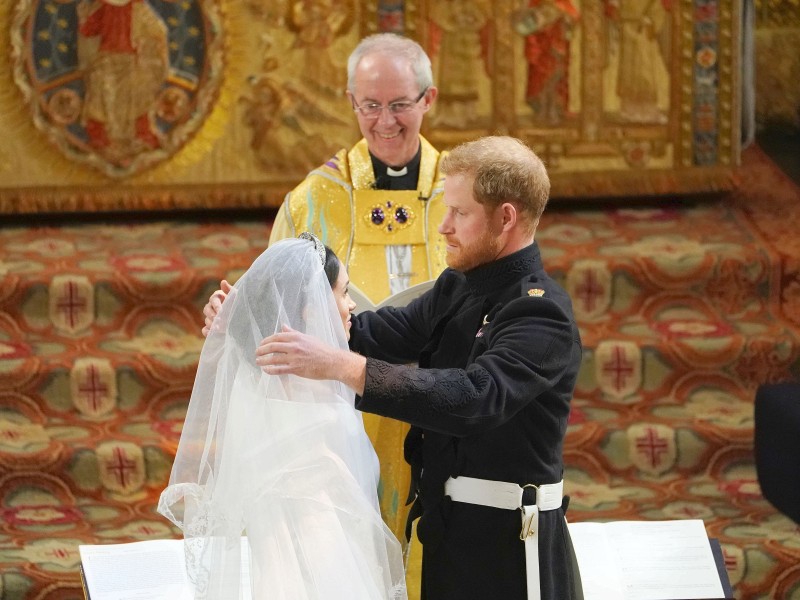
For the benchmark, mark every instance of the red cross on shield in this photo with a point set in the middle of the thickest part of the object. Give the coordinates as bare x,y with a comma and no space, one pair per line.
93,386
589,285
121,467
618,368
652,447
71,303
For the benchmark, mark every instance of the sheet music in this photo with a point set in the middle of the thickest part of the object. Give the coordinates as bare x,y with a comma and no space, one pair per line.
149,570
153,571
646,560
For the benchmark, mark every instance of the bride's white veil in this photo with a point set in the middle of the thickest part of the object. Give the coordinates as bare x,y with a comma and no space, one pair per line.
281,459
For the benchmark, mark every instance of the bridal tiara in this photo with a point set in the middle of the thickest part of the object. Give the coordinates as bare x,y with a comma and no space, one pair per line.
318,245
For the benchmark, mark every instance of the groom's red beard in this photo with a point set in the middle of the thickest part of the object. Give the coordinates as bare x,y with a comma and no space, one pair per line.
468,255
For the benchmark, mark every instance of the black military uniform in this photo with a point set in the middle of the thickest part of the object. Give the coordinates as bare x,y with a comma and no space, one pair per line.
500,352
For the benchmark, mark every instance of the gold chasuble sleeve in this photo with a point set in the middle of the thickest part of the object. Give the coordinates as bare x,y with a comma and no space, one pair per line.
338,204
282,226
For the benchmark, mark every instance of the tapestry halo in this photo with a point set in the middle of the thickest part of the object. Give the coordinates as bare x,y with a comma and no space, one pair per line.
120,85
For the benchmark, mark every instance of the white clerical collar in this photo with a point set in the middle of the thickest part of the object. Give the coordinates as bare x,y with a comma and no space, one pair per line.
396,172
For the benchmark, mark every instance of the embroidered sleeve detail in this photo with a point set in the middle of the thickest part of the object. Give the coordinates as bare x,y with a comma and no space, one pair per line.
427,391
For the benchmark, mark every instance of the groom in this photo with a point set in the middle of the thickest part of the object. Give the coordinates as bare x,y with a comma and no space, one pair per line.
498,352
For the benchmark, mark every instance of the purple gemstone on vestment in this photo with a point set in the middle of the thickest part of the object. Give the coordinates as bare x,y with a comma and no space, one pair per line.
377,216
401,214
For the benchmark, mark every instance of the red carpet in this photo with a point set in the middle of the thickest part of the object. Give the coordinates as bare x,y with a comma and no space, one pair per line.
684,310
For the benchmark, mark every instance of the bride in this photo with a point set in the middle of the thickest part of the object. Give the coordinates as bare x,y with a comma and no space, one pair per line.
281,460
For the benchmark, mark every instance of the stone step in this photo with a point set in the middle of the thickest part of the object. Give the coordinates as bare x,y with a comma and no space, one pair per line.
118,377
654,356
682,377
613,262
102,418
99,340
117,457
53,522
77,282
641,359
98,447
709,420
667,393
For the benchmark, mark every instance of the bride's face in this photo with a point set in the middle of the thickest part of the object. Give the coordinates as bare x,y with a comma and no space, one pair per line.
344,302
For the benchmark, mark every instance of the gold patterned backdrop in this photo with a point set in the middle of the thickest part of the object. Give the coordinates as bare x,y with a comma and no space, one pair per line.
228,103
777,53
620,97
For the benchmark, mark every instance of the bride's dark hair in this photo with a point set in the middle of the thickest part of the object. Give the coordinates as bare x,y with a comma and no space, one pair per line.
331,266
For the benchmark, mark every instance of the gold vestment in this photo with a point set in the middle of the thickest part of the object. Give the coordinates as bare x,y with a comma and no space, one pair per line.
336,203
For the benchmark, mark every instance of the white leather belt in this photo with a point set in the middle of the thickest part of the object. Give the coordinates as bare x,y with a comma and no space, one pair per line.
501,494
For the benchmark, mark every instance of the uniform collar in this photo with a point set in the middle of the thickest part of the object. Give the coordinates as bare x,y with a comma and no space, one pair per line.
497,275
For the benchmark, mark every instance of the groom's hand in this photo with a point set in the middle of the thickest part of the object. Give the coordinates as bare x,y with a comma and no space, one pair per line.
213,305
290,352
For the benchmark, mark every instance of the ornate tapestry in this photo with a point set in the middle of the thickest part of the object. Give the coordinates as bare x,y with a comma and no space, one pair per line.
619,97
117,84
160,104
777,56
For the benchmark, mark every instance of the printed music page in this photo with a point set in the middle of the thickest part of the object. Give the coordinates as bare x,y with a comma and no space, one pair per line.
149,570
646,560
